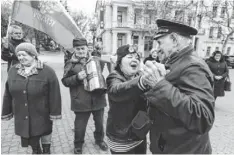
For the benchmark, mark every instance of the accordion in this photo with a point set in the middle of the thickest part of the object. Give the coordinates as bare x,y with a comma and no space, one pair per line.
94,79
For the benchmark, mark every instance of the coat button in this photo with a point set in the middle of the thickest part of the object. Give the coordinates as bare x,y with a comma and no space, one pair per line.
26,117
25,104
24,91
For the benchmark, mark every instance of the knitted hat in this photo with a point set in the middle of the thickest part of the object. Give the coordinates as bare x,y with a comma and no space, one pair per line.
123,51
79,42
27,47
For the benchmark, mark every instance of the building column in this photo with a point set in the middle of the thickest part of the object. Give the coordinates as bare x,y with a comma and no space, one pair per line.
129,38
114,42
114,21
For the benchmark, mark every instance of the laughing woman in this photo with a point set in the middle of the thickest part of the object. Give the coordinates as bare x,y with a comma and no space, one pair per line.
32,96
125,99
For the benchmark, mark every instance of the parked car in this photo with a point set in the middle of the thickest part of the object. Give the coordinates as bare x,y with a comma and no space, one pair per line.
230,60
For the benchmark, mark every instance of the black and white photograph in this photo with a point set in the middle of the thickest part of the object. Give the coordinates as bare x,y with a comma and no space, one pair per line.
117,77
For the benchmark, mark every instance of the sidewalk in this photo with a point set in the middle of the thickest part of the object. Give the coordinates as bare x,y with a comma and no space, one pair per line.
221,135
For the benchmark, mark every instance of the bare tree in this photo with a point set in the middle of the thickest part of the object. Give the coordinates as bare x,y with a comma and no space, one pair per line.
147,11
226,21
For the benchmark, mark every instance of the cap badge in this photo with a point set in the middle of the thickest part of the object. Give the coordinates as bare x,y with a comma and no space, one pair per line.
131,49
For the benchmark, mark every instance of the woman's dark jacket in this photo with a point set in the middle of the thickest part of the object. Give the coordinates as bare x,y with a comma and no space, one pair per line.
182,106
81,100
125,100
218,69
8,54
34,100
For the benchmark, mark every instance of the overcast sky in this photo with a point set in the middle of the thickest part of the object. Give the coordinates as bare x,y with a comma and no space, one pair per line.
87,6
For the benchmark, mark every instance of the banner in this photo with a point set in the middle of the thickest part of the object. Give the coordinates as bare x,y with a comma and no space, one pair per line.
49,17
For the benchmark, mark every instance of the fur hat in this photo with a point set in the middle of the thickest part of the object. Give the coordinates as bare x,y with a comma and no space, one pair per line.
27,47
79,42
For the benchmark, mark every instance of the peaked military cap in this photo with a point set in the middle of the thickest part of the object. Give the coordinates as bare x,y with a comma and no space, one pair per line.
166,27
79,42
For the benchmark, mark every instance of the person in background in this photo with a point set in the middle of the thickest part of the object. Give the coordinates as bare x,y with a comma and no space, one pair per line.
90,48
181,102
153,56
32,96
220,71
9,45
83,102
125,100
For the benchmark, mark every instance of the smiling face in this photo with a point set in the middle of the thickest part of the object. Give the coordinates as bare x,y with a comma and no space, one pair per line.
130,64
81,51
25,59
166,45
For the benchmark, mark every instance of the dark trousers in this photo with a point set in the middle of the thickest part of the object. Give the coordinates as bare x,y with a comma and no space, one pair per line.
81,122
140,149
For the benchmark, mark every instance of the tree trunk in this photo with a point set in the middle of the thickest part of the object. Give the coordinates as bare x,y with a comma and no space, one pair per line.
225,41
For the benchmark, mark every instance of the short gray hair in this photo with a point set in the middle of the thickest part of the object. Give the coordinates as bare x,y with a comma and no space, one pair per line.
13,27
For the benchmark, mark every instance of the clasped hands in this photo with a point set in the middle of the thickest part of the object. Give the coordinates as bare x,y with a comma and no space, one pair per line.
153,72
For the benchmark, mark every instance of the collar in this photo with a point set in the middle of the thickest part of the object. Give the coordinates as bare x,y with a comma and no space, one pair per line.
34,71
177,55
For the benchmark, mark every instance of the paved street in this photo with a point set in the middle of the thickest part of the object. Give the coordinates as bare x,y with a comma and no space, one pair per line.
222,133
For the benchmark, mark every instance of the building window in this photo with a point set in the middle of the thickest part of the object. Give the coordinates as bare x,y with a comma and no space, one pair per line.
208,51
233,12
215,8
148,44
135,40
147,19
228,50
189,20
120,17
179,15
219,32
199,21
135,18
120,39
211,32
223,10
216,48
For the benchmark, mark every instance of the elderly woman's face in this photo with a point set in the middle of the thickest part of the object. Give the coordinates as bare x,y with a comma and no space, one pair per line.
81,51
130,64
24,58
217,57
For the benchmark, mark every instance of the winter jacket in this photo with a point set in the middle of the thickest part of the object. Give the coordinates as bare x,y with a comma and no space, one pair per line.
125,100
8,54
33,100
81,100
182,107
218,69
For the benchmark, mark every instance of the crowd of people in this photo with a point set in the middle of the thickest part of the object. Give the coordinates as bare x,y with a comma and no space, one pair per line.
174,88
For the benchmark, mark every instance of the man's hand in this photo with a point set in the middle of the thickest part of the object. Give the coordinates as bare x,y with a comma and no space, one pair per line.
153,73
82,75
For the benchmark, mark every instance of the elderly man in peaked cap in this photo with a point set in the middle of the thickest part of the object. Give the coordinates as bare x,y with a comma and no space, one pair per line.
181,101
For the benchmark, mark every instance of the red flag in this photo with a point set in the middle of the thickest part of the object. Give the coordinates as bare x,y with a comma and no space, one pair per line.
49,17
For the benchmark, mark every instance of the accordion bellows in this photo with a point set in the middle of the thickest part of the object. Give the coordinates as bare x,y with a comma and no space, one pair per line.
95,79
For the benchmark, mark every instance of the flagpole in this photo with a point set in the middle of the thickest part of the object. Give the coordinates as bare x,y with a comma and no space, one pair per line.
8,26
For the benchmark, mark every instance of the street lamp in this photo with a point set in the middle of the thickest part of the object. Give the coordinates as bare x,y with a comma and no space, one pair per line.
93,29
